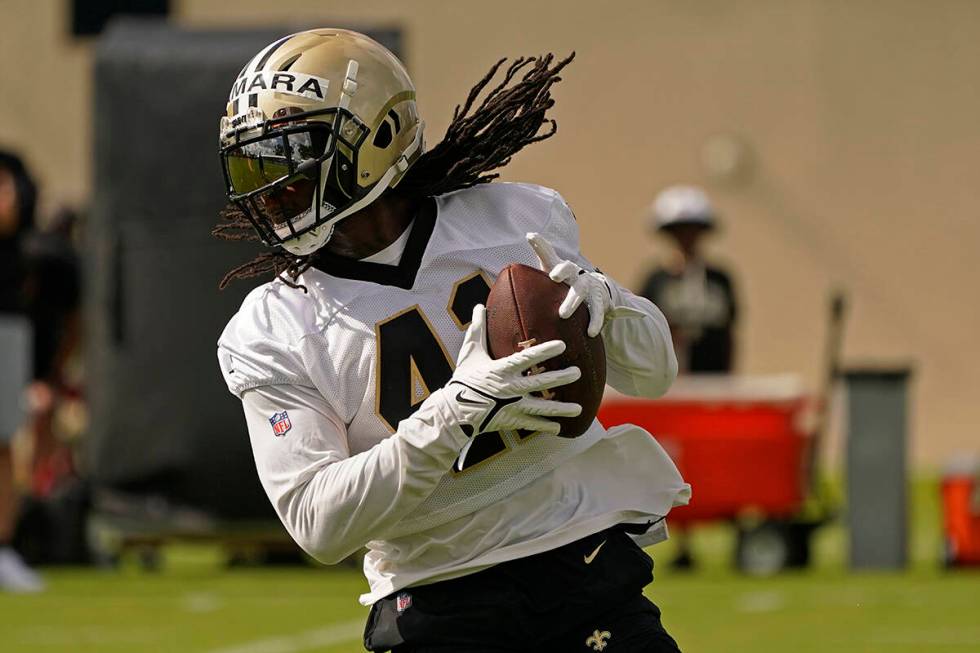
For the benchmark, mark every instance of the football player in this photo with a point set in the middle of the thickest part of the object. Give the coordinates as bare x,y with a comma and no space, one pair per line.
376,416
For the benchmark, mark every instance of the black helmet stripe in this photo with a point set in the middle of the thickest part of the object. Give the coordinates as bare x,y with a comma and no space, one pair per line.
264,56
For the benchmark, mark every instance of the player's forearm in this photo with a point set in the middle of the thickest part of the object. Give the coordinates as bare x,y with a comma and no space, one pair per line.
352,501
640,356
332,503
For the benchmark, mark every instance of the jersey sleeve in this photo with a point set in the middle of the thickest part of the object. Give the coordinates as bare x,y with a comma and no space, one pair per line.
261,344
333,503
640,358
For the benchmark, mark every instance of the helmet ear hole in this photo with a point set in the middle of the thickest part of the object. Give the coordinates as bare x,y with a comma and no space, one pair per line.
383,137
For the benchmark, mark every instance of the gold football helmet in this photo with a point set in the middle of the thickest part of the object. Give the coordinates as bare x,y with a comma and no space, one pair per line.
318,125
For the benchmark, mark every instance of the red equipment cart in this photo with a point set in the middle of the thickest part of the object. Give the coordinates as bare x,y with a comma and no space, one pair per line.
744,445
961,512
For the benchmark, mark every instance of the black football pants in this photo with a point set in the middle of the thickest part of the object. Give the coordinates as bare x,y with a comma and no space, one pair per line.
584,596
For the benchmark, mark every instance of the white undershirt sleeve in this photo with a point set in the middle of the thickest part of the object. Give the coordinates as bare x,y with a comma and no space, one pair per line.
333,503
640,358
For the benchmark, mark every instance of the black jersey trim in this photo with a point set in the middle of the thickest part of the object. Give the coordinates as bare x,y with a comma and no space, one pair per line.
401,275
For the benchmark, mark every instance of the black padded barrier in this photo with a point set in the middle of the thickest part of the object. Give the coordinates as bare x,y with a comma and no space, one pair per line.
162,421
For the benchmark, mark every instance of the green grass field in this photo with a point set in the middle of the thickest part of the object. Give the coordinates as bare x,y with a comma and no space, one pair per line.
195,605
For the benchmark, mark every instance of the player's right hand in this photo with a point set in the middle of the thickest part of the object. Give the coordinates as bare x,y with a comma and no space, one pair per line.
494,394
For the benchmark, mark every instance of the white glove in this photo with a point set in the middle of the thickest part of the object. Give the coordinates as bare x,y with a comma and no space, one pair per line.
589,287
492,395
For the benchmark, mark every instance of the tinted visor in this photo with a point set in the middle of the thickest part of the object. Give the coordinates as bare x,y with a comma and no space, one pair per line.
280,180
260,162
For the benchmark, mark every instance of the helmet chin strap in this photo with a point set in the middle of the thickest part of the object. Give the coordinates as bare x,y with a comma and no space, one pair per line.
307,243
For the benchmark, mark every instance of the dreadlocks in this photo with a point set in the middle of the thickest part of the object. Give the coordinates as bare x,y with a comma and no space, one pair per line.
508,118
234,225
477,142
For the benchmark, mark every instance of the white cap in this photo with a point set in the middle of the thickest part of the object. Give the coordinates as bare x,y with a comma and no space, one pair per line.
682,205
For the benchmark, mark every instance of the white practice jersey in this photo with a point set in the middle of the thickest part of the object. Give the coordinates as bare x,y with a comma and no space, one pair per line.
332,380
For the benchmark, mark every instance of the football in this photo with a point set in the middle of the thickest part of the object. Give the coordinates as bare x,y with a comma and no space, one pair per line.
522,310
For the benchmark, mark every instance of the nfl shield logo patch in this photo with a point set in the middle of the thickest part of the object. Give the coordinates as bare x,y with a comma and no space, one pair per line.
403,602
280,423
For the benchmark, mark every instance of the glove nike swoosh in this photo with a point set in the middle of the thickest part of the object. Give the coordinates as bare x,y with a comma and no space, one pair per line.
463,400
498,403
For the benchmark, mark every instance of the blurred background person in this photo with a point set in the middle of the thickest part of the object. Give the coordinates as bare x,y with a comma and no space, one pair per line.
17,202
697,298
39,336
53,511
52,295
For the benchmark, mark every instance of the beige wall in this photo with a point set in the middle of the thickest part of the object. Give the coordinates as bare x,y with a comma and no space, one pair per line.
861,118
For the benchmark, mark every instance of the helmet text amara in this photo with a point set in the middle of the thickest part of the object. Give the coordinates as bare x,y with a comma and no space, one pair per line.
318,125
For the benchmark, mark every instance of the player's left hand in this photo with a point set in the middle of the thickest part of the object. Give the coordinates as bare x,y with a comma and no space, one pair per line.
590,287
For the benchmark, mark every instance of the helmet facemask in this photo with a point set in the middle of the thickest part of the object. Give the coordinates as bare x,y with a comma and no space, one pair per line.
295,173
